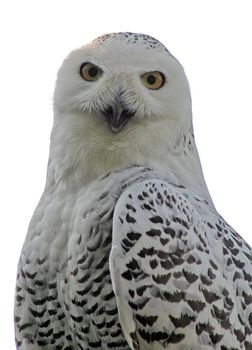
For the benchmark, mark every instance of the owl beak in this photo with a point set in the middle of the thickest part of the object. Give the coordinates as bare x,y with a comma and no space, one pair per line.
116,116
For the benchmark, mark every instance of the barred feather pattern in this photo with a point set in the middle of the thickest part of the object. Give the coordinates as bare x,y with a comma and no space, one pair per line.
146,264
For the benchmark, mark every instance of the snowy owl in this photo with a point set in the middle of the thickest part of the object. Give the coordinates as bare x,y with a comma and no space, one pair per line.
125,249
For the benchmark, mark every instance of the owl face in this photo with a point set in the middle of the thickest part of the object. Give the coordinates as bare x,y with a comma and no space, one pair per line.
122,100
121,79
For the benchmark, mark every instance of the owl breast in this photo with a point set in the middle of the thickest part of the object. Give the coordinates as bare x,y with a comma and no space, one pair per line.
87,290
64,295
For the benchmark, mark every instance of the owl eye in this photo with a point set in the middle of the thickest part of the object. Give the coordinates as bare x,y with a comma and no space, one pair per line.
90,71
153,80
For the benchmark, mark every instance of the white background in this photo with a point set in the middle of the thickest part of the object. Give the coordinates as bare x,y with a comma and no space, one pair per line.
212,39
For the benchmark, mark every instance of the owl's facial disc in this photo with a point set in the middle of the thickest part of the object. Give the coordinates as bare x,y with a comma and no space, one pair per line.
117,116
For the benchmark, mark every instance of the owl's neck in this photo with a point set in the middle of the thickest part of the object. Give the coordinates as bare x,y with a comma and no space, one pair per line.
76,164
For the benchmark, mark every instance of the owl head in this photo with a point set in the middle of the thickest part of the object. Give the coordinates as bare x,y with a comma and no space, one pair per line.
122,100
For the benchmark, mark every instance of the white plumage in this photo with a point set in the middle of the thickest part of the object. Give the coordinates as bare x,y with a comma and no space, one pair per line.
125,249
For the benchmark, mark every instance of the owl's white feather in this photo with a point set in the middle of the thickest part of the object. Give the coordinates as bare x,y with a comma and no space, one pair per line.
125,249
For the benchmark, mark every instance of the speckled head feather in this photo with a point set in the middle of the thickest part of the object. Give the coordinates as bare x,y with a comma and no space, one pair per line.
131,38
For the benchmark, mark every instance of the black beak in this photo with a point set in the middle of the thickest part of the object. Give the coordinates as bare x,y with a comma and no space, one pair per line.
116,116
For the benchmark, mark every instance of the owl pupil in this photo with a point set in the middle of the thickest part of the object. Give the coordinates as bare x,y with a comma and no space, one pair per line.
93,72
151,79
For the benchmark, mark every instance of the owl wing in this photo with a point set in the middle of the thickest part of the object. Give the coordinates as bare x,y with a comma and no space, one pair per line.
172,281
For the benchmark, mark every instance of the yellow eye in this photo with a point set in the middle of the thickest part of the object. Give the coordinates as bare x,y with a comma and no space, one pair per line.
153,80
90,71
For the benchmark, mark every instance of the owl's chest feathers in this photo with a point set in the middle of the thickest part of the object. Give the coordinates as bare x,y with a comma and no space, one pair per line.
67,218
68,251
54,231
70,242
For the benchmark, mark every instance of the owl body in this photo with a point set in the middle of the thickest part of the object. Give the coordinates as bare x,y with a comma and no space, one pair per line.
125,249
